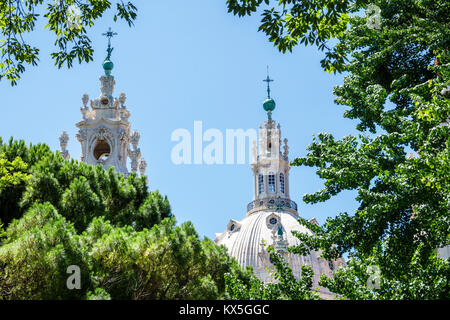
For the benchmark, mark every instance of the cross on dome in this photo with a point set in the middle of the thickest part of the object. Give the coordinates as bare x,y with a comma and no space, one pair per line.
108,65
269,103
109,34
268,80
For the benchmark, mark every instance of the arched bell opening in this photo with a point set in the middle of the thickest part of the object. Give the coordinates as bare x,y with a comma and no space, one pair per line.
102,150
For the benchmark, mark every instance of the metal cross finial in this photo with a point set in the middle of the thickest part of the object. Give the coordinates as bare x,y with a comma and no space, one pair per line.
268,80
109,34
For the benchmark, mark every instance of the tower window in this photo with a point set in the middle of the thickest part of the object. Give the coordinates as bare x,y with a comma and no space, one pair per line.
102,150
281,182
271,183
260,184
331,265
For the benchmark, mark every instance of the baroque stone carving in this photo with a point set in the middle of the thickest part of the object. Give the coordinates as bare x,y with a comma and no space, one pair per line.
63,139
104,131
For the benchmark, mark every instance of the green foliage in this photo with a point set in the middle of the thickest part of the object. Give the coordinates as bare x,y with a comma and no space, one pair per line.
77,190
12,172
425,278
2,232
165,262
98,294
396,85
285,287
393,89
81,192
123,237
288,23
11,194
35,256
254,289
69,20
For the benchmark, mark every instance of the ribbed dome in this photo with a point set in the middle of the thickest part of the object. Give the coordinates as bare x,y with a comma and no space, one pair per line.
244,242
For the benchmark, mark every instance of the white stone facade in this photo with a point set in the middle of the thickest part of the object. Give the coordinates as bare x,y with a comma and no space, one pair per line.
104,132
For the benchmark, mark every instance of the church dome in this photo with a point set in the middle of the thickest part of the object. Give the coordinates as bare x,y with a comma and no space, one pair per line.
245,241
272,216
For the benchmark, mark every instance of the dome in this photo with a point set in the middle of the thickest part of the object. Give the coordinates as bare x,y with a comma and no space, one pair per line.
244,241
269,104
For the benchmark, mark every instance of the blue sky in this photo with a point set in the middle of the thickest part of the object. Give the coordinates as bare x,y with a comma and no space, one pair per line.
185,61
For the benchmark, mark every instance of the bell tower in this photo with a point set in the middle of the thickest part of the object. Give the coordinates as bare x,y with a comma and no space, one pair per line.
271,166
104,130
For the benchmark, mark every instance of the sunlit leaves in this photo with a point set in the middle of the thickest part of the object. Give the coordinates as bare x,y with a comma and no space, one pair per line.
284,285
12,172
288,23
395,87
69,20
123,237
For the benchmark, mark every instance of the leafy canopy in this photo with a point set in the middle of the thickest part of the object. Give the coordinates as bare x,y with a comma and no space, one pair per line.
396,87
122,237
68,20
284,287
78,191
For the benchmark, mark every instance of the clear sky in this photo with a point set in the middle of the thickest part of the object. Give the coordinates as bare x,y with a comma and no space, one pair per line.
185,61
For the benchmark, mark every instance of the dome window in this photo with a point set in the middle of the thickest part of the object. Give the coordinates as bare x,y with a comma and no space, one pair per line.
260,183
233,226
331,265
272,221
271,183
281,182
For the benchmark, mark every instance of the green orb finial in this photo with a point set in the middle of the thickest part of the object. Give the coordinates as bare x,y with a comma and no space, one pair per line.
108,66
269,104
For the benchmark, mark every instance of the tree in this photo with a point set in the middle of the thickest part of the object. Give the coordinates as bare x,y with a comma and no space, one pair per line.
12,172
165,262
78,191
284,287
36,254
10,194
2,232
122,237
69,20
288,23
396,86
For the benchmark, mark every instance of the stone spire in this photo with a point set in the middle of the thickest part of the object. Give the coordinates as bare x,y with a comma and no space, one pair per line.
269,103
63,139
134,152
104,130
271,168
